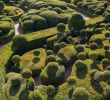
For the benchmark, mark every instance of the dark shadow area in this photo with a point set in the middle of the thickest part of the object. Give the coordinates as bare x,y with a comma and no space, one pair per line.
14,90
36,60
24,95
96,86
81,74
95,64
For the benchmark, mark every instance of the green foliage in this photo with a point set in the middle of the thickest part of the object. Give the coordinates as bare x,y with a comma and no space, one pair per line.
39,22
93,46
16,59
105,62
57,9
35,95
49,52
93,55
79,48
80,65
107,17
19,43
92,73
51,58
98,76
16,81
26,73
50,90
81,56
36,52
61,27
80,93
51,17
76,21
71,80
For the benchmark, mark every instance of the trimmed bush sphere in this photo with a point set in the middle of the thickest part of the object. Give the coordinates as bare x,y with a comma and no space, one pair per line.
35,95
80,93
98,76
26,73
39,22
76,21
51,17
51,58
50,90
61,27
36,52
105,62
16,59
81,56
80,65
2,6
93,46
107,17
79,48
71,80
92,72
19,43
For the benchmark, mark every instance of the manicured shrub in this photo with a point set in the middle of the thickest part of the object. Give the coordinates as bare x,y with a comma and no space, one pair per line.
106,76
63,57
62,44
81,56
76,42
70,39
93,55
79,48
80,65
39,22
51,17
28,26
36,52
19,43
51,58
106,93
98,76
56,48
35,95
61,27
57,9
105,62
31,84
2,6
49,52
107,34
71,80
80,93
16,81
92,73
52,68
98,41
16,59
107,17
76,21
26,73
50,90
93,46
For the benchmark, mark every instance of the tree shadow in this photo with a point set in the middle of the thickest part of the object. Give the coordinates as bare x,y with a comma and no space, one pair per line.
96,86
24,94
81,74
14,90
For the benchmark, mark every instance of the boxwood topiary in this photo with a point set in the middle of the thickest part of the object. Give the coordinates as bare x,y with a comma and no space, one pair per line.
51,17
79,48
81,56
50,90
71,80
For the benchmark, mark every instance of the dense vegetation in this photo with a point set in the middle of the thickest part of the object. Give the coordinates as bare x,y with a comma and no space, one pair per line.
60,55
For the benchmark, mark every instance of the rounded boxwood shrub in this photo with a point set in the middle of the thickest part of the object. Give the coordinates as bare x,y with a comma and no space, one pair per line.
79,48
16,81
98,76
26,73
98,41
106,47
61,27
106,76
107,34
35,95
58,10
16,59
56,48
49,52
93,55
19,43
39,22
80,93
76,21
93,46
105,62
31,84
107,17
28,26
36,52
71,80
80,65
52,74
51,17
81,56
51,58
50,90
62,44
